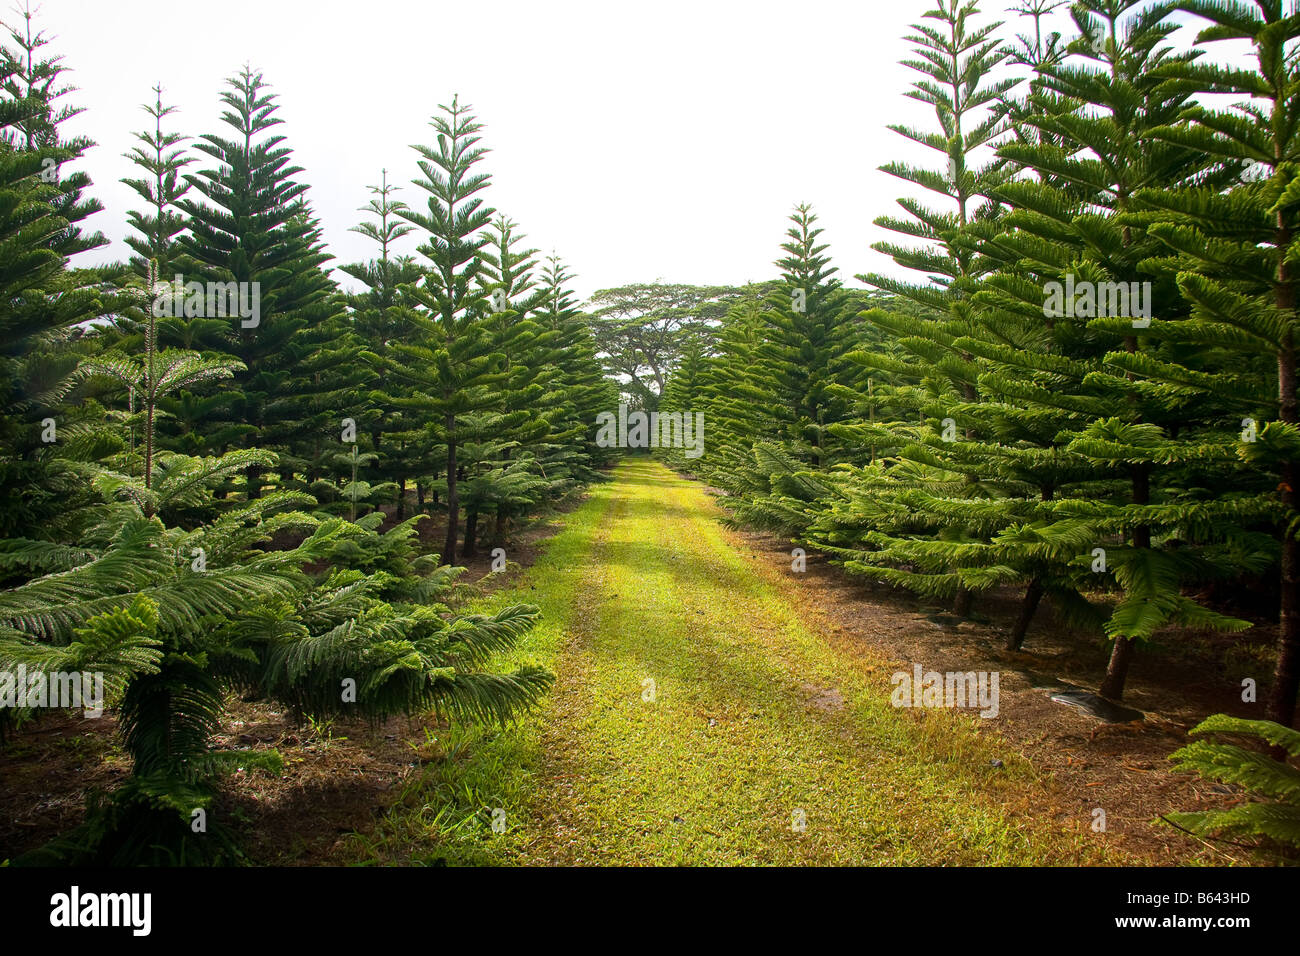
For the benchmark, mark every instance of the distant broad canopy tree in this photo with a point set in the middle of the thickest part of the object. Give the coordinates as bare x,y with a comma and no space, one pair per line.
641,330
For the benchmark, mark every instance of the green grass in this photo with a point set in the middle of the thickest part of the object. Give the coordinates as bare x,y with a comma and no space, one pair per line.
755,718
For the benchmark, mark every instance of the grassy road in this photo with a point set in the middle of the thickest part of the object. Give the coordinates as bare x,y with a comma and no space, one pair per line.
699,718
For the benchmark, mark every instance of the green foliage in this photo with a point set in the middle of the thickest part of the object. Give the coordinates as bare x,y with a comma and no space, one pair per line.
1272,810
198,507
642,330
210,519
960,434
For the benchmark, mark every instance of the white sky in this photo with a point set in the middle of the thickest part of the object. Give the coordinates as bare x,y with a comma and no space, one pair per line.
639,141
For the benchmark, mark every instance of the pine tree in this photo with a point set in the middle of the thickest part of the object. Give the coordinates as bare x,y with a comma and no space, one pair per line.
450,359
1031,477
1085,135
582,391
163,160
397,435
502,469
42,303
783,363
252,227
710,380
684,393
155,375
936,390
805,338
27,75
1126,42
1232,252
175,636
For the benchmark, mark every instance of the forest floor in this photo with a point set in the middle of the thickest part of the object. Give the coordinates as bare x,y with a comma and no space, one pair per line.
712,706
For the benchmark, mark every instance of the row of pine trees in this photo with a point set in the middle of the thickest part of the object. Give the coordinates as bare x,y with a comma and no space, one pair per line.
205,500
958,434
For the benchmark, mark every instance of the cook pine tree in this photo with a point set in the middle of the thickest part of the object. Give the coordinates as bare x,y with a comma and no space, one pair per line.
937,386
397,435
161,159
247,221
1073,425
43,209
450,358
1233,252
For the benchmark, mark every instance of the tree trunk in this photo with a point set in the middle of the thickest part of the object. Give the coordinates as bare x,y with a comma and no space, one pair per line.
1121,655
1117,670
1028,607
1286,675
401,498
1033,596
961,604
471,532
453,499
499,531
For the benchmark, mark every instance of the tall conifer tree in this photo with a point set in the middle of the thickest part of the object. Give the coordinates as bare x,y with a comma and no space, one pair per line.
398,438
161,158
956,59
1234,255
252,226
451,360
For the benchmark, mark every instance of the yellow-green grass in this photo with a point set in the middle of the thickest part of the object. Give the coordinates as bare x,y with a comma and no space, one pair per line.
757,724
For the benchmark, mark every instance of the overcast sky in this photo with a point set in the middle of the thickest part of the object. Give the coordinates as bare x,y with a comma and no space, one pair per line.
640,142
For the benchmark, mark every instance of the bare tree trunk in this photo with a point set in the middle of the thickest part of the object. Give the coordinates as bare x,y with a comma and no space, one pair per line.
499,531
1028,607
453,498
1286,675
471,532
1121,654
962,602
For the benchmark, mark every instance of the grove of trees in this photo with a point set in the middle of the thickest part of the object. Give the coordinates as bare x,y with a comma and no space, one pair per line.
221,463
209,453
965,433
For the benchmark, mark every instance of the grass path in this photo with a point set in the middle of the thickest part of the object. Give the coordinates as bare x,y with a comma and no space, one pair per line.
756,723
